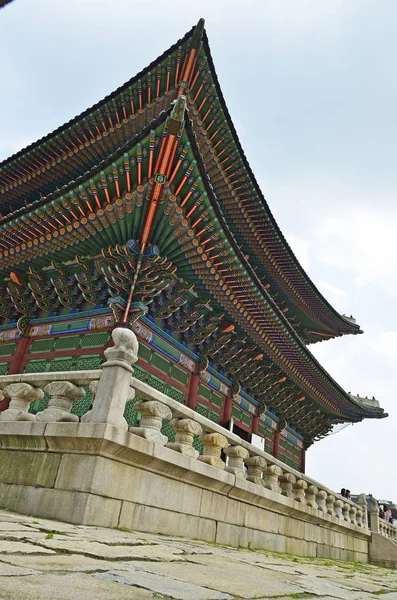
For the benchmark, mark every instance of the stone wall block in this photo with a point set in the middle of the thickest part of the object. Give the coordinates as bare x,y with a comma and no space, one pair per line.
21,396
214,443
113,391
236,455
185,430
62,396
287,481
330,501
321,500
272,481
300,487
311,494
256,465
153,413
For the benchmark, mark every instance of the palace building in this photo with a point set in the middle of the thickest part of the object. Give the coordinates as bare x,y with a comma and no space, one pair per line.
143,212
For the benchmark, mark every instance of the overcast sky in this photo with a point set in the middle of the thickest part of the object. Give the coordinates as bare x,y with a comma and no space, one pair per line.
311,87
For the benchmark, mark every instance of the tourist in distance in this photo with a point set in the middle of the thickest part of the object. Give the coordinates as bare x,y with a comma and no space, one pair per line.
343,492
347,495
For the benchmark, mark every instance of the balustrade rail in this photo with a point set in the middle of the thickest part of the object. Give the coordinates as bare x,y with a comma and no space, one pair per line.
114,385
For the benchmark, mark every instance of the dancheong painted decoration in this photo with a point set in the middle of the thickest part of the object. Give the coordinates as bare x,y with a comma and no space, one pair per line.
143,211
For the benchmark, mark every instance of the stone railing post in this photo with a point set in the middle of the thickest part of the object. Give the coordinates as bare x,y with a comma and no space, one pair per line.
330,501
236,455
374,516
338,508
311,493
256,465
287,481
299,488
346,512
272,481
359,517
113,389
214,443
21,396
320,499
153,413
362,503
62,396
185,430
353,515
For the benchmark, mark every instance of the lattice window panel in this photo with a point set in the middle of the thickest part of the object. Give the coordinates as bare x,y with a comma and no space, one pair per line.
176,394
88,362
207,412
41,346
3,368
157,384
236,413
246,419
265,432
168,431
198,444
7,349
39,405
140,373
67,342
216,399
94,340
60,364
83,405
132,417
179,375
161,363
36,366
204,392
144,352
268,448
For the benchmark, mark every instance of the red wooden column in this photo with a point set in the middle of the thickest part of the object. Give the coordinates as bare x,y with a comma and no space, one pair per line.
17,361
191,396
303,460
276,441
255,423
227,411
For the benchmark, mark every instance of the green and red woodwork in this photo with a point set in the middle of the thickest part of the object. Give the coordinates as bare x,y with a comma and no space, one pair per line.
143,212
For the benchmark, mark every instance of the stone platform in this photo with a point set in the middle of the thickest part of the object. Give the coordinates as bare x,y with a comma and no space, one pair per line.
49,559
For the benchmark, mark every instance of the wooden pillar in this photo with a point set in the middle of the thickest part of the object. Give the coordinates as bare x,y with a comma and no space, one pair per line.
276,441
303,460
17,361
191,396
255,423
227,411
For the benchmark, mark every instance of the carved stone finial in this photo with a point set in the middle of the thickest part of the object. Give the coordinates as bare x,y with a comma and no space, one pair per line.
213,445
21,396
153,413
62,396
185,430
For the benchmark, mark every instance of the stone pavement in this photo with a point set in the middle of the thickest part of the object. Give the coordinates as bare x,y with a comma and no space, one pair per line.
42,559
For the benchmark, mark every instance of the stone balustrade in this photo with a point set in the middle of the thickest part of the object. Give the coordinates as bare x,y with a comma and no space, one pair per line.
115,385
379,525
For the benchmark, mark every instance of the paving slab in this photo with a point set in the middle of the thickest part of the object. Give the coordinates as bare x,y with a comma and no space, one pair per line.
11,547
179,590
228,580
43,559
68,587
